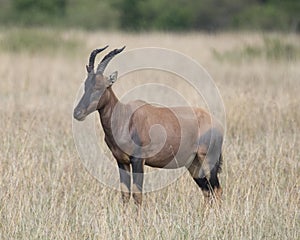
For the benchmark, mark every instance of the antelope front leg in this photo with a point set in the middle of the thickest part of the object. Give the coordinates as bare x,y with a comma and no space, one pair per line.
125,181
138,179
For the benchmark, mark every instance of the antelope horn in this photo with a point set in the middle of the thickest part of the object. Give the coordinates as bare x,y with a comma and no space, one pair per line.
93,55
102,65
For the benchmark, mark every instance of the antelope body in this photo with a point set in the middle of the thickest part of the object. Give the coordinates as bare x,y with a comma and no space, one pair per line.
141,134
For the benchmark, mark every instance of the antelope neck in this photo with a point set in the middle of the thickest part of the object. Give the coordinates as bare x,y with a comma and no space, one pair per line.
109,101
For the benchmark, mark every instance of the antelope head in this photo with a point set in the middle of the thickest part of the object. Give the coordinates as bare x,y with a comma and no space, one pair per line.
95,84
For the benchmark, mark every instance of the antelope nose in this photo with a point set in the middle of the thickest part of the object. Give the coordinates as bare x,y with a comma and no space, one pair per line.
77,113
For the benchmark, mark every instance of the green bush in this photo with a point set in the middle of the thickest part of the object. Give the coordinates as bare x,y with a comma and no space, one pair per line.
136,15
274,15
37,41
41,12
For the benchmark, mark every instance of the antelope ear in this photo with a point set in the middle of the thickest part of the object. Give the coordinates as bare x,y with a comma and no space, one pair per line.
113,77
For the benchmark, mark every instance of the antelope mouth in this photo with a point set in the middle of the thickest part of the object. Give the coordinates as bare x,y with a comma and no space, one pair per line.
79,115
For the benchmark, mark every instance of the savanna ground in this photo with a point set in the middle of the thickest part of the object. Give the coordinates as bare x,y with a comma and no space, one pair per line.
46,193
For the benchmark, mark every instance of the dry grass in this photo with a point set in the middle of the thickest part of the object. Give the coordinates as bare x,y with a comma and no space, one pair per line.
46,193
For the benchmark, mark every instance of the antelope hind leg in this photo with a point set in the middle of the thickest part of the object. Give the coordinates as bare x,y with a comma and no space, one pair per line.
206,178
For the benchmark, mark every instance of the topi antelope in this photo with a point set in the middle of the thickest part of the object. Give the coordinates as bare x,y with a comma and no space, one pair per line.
138,134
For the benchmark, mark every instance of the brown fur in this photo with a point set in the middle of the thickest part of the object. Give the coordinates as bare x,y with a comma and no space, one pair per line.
183,136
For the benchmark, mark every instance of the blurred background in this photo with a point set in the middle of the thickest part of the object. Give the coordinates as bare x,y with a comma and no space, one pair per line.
135,15
251,48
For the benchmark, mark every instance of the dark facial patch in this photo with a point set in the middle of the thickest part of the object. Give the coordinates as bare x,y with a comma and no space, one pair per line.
94,87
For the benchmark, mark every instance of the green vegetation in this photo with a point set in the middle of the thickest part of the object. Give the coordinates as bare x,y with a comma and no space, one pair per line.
135,15
272,48
37,41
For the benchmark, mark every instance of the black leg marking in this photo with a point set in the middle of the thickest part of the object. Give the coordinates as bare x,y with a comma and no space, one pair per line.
214,181
202,183
138,179
210,188
125,181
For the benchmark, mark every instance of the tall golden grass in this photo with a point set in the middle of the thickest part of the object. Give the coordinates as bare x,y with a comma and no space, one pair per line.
46,193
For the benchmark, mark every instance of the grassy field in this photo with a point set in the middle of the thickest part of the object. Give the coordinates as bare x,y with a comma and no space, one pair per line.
46,193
